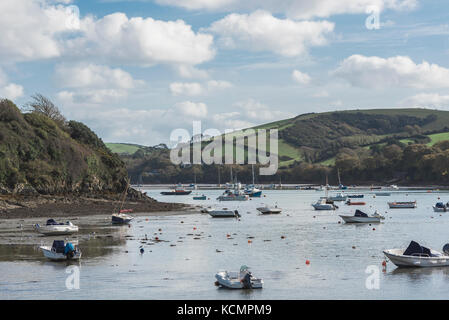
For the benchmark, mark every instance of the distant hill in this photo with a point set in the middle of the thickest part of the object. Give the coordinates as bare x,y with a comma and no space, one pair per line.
318,137
39,155
312,145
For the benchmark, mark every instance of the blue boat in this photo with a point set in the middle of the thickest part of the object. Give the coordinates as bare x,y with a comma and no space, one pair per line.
203,197
355,196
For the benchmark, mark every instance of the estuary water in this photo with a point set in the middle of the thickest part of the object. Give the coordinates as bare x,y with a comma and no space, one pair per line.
345,260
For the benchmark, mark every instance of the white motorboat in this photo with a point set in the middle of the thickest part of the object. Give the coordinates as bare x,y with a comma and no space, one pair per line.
441,207
238,280
361,217
402,205
322,204
54,228
337,197
269,210
223,213
418,256
61,251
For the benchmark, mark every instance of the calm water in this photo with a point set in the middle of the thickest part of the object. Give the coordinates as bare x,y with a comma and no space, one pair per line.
184,264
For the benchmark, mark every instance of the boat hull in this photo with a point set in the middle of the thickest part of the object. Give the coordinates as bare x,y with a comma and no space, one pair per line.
57,230
121,219
232,198
437,209
395,256
398,205
323,206
222,214
226,280
266,210
199,198
55,256
176,193
353,219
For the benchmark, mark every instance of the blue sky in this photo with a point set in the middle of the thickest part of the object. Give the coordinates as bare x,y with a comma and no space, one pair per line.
135,70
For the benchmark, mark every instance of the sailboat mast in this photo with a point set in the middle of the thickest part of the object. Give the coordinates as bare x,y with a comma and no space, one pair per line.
252,168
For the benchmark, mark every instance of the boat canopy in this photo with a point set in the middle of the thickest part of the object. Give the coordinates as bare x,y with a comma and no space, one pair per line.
440,205
359,213
52,222
414,248
59,246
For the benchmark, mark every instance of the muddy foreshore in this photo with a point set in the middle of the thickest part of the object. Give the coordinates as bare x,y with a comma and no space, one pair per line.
22,207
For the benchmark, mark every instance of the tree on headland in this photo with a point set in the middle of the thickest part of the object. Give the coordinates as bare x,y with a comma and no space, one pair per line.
43,105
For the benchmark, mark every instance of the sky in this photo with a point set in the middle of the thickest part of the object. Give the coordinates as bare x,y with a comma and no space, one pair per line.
134,71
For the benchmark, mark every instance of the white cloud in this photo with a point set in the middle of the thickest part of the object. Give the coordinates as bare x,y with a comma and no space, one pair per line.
300,77
90,83
30,29
298,9
186,88
256,111
141,41
261,31
399,71
42,29
191,109
9,90
433,100
196,89
93,76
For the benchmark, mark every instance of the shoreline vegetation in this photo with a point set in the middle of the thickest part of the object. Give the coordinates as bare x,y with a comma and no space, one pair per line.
21,207
50,167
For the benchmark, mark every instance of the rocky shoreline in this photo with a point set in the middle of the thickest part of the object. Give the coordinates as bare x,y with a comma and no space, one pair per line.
13,206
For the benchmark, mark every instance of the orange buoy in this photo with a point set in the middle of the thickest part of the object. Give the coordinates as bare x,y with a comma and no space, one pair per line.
250,241
194,228
307,262
384,263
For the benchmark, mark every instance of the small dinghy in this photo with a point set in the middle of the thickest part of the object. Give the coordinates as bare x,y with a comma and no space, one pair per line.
441,207
238,280
338,197
55,228
223,213
61,251
355,203
402,205
362,217
355,196
202,197
269,210
418,256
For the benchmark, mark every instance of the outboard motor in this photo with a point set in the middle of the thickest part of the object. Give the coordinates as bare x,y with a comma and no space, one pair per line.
237,214
446,249
246,281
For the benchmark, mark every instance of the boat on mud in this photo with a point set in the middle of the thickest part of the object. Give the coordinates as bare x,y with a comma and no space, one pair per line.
238,280
416,255
179,190
122,217
61,250
402,205
362,217
55,228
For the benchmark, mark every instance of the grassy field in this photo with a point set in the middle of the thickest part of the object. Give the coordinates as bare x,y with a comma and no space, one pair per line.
123,148
437,137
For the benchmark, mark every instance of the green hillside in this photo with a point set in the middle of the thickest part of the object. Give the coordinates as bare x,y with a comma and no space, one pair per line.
40,154
123,148
318,137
